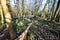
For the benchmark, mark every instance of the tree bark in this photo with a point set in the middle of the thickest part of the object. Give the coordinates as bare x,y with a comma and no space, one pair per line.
57,10
8,18
2,17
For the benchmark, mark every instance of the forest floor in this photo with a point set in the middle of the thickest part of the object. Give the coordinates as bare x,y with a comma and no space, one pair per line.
44,30
40,30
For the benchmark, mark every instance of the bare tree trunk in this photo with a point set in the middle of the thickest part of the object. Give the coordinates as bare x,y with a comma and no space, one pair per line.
52,11
58,5
16,7
23,7
8,18
2,17
57,10
57,17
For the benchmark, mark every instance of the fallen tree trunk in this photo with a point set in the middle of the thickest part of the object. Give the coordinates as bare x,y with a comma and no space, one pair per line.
24,34
28,20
